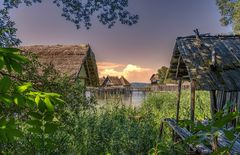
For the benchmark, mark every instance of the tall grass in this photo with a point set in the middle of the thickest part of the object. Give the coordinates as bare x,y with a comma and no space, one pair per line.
120,129
114,128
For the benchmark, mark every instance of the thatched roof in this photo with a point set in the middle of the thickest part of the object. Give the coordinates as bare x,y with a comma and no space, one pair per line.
154,77
124,81
66,58
114,80
212,61
101,80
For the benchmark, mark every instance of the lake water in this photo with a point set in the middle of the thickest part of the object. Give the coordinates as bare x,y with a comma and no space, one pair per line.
136,99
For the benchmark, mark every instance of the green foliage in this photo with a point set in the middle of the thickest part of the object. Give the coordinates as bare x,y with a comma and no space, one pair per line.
159,102
162,73
35,121
221,125
163,105
115,129
19,103
230,11
80,12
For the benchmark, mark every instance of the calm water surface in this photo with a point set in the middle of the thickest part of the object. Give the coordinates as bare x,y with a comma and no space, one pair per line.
136,99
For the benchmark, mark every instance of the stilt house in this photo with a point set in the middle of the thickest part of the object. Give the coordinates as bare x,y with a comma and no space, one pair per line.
154,79
114,81
210,63
77,61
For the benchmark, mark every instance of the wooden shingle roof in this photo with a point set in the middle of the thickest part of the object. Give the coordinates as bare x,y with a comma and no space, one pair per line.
66,58
193,59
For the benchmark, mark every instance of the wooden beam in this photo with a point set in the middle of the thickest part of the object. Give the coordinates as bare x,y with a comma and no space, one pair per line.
88,72
178,99
192,102
213,100
178,65
178,105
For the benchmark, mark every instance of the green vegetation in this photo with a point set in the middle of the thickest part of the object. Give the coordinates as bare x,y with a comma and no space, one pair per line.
36,122
230,11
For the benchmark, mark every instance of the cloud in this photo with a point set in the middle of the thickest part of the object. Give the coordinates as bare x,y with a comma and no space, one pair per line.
132,72
109,65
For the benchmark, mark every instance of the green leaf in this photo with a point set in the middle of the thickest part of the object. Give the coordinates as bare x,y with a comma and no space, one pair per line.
35,130
48,117
1,62
42,106
35,115
3,123
19,100
51,127
12,133
35,123
6,99
48,103
37,99
8,64
5,84
9,50
17,67
24,87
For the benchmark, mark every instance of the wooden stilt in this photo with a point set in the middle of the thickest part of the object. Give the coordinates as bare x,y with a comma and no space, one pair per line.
178,105
192,102
213,102
178,99
161,131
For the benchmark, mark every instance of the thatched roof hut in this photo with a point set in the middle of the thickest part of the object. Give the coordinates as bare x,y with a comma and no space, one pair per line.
124,82
114,81
193,60
101,81
73,60
154,79
210,63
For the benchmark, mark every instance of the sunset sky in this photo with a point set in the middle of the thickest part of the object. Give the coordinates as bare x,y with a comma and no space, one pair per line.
135,52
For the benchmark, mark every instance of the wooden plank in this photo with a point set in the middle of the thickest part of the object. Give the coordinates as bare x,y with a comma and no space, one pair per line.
178,99
213,100
224,142
184,134
192,102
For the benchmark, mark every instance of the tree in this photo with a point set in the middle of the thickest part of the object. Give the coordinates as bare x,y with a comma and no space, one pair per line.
7,30
162,73
76,11
230,11
80,12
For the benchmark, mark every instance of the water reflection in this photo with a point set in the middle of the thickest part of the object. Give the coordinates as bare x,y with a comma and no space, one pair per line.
135,99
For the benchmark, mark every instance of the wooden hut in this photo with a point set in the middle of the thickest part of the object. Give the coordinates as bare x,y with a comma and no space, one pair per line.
114,81
210,63
124,82
101,81
154,79
77,61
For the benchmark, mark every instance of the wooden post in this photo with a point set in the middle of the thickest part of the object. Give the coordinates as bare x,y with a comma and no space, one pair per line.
178,99
161,131
213,102
192,102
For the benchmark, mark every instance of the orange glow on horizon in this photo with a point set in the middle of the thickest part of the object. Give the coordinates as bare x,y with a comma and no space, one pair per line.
132,73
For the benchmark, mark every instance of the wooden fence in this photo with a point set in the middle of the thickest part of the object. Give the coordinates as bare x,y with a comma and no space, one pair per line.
173,87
